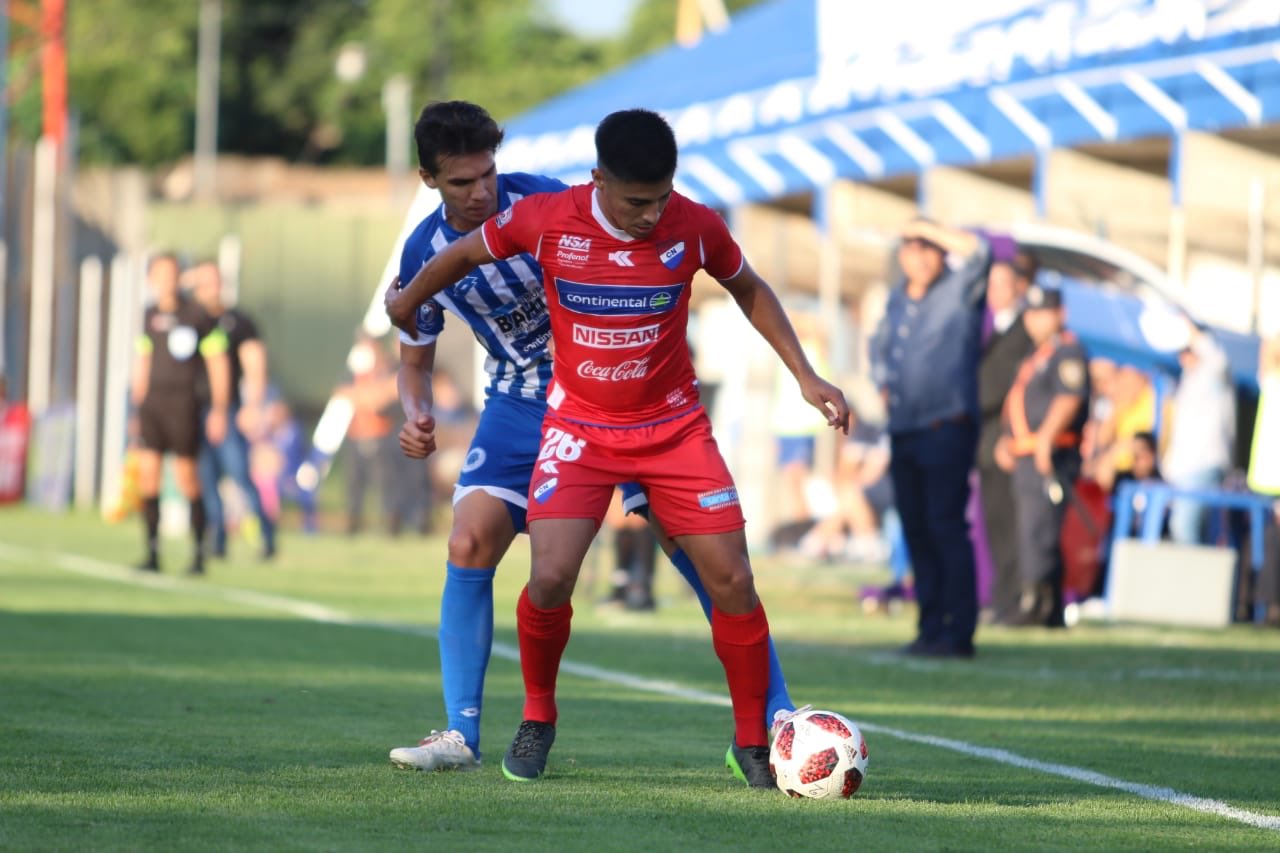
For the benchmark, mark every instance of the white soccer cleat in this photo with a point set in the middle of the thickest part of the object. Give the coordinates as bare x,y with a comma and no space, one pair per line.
781,715
437,751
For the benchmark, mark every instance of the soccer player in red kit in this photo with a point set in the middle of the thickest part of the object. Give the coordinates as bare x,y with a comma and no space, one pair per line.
618,257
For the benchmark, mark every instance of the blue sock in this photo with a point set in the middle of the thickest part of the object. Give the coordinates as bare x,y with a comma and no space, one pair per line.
778,699
685,567
466,638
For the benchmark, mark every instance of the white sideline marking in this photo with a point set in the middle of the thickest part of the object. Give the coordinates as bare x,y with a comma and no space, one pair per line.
103,570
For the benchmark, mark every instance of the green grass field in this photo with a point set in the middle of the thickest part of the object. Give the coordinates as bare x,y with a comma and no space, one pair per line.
255,708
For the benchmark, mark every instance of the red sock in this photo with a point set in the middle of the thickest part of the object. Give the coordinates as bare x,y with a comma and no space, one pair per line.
543,636
742,644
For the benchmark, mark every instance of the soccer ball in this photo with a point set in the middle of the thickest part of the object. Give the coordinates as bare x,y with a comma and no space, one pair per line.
820,755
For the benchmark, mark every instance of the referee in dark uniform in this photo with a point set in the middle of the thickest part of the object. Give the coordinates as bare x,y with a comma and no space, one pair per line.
1045,414
178,344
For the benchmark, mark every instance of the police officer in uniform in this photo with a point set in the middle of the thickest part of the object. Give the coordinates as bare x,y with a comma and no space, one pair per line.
1044,415
178,343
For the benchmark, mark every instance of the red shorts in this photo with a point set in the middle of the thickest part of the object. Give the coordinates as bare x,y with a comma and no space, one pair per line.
677,462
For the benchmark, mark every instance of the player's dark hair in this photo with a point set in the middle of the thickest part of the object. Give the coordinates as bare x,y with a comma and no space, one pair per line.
1147,438
453,128
636,146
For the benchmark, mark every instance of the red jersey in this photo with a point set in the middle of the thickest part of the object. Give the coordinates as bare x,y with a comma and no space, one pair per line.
619,305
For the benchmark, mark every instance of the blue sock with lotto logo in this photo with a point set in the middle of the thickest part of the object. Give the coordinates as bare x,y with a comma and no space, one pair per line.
466,638
778,699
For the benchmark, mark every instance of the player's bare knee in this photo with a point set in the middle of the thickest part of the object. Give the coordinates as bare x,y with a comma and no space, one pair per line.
551,586
469,548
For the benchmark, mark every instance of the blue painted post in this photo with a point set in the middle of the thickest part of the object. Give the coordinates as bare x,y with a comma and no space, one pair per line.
1040,182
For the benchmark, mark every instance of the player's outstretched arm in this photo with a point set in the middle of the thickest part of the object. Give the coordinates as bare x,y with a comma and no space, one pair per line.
418,435
444,268
761,307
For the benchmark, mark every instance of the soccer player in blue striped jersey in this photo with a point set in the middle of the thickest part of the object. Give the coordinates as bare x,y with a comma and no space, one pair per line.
503,304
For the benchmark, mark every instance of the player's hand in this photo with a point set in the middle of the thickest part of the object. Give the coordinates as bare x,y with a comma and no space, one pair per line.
215,426
1004,455
418,437
829,400
402,314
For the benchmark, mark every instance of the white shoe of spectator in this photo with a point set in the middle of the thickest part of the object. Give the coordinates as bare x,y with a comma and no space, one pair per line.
811,546
867,549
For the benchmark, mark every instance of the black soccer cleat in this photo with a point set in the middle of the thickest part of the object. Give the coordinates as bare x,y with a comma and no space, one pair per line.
750,764
150,564
526,758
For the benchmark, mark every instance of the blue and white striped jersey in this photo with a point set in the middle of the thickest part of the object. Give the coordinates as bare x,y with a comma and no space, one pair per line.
502,302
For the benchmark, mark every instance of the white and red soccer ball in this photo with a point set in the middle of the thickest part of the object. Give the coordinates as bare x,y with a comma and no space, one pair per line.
820,755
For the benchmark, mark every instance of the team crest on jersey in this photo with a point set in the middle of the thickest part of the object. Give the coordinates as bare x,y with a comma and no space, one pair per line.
671,253
503,218
544,490
475,458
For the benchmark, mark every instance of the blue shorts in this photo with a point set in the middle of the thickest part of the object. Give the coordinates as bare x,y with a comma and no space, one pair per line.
794,449
634,499
503,452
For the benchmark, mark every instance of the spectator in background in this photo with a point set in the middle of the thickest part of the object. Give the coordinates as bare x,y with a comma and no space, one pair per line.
796,426
275,460
1264,472
863,494
247,358
925,361
1146,469
1264,456
15,432
1094,455
1267,592
1132,397
635,549
1202,430
369,449
1007,345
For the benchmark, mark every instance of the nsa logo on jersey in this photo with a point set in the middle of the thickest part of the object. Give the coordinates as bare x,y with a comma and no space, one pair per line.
671,254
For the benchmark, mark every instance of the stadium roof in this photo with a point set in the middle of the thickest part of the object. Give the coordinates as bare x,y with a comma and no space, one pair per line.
796,93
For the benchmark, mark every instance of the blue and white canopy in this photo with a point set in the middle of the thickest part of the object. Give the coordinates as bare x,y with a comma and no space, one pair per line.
796,93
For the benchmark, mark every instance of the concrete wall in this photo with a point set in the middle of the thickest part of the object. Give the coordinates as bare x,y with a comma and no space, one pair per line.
1226,186
1128,206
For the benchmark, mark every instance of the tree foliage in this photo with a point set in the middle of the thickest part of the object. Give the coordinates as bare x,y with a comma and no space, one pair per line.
132,69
